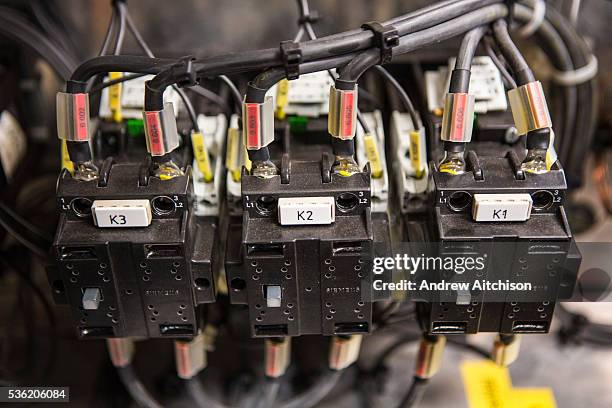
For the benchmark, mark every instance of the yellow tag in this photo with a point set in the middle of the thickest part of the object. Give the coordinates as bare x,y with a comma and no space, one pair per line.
487,385
416,152
551,153
66,163
114,97
371,150
201,155
245,158
532,398
282,98
231,156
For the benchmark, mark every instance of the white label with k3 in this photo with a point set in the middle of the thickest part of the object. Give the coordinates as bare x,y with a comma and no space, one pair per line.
306,210
121,213
501,207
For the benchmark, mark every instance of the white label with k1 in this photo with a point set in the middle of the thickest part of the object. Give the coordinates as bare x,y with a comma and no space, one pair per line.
121,213
306,210
501,207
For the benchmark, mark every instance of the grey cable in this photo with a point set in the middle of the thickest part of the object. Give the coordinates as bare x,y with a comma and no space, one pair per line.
499,64
199,396
315,394
135,388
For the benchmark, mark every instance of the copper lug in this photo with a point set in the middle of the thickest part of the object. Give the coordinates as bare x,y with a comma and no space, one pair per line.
344,351
529,108
190,356
73,116
160,130
458,117
342,118
258,124
278,356
429,356
121,351
506,350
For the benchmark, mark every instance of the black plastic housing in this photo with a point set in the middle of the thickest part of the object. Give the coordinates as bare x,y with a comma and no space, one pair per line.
153,278
540,250
325,271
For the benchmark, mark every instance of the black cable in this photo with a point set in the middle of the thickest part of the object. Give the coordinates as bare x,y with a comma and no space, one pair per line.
335,49
269,393
234,91
49,312
521,69
506,76
315,394
26,242
415,393
121,12
406,101
198,394
26,224
305,11
124,13
135,388
15,26
106,84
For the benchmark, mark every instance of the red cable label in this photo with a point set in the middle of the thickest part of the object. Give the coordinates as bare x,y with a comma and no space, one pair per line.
154,133
535,94
80,117
252,125
346,119
458,117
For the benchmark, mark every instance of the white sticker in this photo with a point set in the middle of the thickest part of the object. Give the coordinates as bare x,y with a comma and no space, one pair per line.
501,207
121,213
306,210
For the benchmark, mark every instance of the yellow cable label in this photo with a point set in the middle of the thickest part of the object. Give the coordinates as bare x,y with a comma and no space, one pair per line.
66,163
532,398
114,97
416,152
231,156
551,153
373,155
200,153
282,99
488,385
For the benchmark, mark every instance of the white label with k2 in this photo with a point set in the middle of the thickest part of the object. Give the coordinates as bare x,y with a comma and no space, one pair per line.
306,210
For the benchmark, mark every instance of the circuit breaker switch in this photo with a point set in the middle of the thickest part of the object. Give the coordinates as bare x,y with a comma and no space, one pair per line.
342,118
273,295
501,207
306,210
91,298
121,213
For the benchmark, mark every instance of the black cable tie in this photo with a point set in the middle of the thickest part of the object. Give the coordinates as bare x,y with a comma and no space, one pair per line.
184,73
291,54
312,17
385,38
